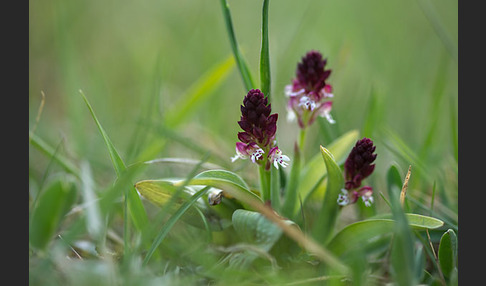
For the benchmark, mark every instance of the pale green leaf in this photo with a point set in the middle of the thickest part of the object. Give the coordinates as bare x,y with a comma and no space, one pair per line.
327,216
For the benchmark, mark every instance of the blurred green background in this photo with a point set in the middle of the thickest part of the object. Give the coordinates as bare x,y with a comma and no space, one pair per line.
394,73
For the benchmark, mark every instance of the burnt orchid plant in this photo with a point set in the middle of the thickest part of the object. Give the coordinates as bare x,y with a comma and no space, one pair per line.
257,141
309,93
312,194
357,167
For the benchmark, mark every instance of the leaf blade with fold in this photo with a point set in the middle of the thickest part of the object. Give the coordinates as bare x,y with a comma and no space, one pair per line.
327,216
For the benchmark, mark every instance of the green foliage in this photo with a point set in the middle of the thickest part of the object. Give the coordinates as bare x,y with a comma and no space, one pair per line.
329,211
448,253
49,209
167,85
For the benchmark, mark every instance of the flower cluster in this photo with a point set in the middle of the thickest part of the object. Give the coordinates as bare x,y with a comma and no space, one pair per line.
357,167
258,137
308,94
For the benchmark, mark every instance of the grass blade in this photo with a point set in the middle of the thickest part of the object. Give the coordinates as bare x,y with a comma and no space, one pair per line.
240,61
171,222
93,214
200,92
134,204
402,252
265,78
49,151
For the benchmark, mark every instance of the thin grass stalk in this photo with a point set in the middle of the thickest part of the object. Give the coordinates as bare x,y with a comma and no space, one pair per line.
240,61
265,78
171,222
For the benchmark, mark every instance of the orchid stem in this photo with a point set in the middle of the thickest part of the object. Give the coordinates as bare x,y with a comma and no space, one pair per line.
264,182
302,134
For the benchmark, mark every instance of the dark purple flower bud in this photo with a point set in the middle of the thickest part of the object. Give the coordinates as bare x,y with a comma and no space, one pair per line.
311,73
258,137
258,125
309,91
358,164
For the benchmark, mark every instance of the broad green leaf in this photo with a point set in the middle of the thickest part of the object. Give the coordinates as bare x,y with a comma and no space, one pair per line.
135,206
447,252
171,222
252,227
255,230
358,234
416,221
160,192
313,171
51,206
222,179
327,216
200,92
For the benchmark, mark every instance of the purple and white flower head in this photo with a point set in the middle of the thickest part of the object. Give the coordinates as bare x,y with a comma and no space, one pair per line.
309,93
259,127
357,167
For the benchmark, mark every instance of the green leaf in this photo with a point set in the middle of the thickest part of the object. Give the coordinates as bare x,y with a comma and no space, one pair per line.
160,192
240,61
265,78
171,222
222,179
49,151
199,92
311,179
53,203
256,230
402,258
135,206
358,234
327,216
447,252
416,221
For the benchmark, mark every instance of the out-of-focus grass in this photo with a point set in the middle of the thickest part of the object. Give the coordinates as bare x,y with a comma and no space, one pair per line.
394,74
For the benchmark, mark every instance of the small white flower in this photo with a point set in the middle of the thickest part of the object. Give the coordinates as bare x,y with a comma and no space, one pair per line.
325,111
367,199
252,150
288,91
307,103
278,158
291,115
257,154
343,199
